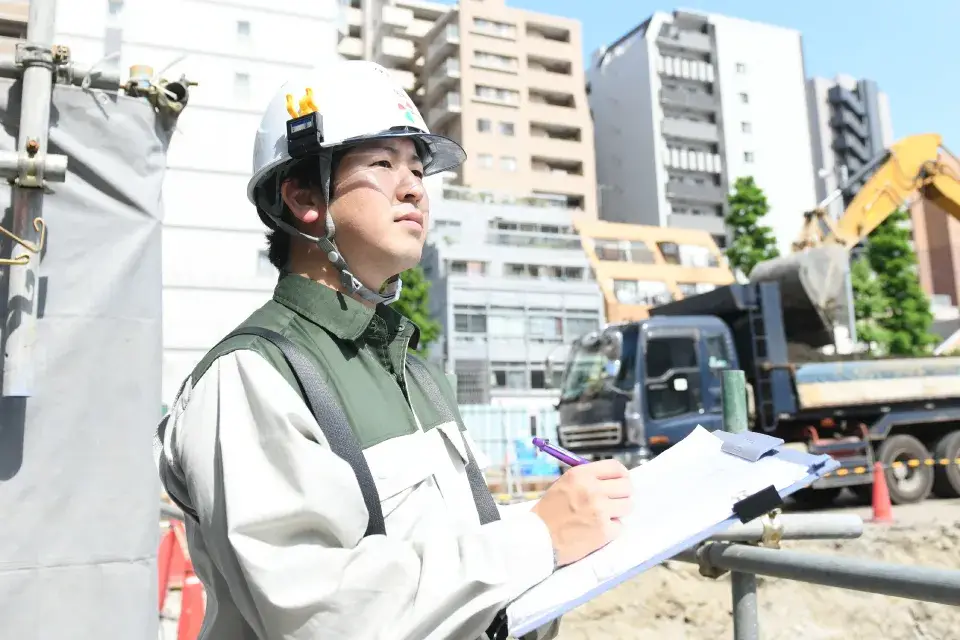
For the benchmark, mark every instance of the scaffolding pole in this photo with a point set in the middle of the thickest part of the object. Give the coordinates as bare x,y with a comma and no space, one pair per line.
31,167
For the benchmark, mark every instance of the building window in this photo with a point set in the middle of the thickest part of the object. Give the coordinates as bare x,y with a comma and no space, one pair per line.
508,163
741,67
506,129
470,322
748,156
485,160
241,86
243,28
483,125
469,267
115,7
495,94
746,127
495,61
494,28
744,98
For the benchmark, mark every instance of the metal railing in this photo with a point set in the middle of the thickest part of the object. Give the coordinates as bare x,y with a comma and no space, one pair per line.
745,562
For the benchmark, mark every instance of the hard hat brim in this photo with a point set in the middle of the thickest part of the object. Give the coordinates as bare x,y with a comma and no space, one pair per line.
443,153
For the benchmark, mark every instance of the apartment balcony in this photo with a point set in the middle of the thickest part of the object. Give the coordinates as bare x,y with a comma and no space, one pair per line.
445,43
690,130
714,225
672,36
395,20
445,108
844,98
550,42
693,192
444,77
676,157
395,52
351,21
683,98
844,119
556,147
351,48
407,79
559,178
419,28
685,68
847,143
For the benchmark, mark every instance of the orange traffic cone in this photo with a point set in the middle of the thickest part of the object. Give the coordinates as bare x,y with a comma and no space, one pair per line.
191,606
882,509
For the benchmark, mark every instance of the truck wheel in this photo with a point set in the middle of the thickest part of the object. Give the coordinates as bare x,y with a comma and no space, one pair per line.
808,498
946,478
906,484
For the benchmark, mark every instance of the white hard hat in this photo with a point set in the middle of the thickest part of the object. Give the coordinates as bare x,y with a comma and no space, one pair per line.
356,101
341,105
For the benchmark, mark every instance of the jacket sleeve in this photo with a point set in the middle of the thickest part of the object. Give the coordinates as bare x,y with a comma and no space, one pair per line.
282,519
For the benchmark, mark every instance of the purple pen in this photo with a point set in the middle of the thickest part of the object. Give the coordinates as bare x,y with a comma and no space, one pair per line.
559,453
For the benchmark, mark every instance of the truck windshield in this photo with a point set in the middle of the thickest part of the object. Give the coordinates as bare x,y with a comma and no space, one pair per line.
585,366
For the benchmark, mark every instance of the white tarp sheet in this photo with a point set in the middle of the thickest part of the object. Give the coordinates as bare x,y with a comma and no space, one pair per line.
78,487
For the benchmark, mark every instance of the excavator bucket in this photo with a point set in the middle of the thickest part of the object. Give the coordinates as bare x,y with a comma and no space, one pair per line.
813,292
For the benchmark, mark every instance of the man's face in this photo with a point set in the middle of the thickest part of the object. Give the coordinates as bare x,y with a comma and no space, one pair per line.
380,208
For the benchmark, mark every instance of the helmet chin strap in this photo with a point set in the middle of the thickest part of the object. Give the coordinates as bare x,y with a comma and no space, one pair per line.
350,283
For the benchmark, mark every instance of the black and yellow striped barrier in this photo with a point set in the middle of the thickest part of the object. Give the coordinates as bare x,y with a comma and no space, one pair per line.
927,462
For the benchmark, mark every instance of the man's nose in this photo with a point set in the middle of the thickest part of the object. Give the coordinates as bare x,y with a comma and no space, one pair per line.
410,189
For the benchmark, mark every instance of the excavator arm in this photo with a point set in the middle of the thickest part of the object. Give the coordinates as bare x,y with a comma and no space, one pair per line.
915,167
812,279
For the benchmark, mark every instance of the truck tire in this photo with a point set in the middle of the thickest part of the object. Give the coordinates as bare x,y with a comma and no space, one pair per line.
906,484
946,478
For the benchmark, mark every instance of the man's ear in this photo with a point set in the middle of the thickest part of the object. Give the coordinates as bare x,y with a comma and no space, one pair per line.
303,202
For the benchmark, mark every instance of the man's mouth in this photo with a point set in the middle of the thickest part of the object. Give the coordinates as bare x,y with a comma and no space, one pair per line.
411,218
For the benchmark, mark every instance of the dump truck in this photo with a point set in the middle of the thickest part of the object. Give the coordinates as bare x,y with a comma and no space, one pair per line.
636,387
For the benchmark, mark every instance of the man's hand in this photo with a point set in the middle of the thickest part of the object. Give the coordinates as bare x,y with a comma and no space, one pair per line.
582,509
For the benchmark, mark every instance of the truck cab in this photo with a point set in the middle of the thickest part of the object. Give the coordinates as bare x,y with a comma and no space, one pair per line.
614,404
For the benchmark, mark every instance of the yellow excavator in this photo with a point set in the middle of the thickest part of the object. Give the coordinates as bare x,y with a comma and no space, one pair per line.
813,278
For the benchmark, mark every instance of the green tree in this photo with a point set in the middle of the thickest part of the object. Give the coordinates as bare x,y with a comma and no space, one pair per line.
870,306
908,317
414,303
753,242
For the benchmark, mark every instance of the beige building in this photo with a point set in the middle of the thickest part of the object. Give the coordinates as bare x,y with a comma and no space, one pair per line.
507,84
13,25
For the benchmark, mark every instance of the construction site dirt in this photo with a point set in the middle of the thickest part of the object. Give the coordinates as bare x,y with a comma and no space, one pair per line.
673,601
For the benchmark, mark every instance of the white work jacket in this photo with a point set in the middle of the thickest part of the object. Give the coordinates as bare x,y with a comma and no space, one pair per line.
280,544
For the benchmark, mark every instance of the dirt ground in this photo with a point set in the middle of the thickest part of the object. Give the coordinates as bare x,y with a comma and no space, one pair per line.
673,602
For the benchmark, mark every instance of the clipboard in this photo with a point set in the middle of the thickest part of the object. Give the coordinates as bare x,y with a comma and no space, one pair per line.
768,473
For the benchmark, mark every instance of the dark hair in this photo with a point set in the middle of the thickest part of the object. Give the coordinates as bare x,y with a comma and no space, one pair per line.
304,175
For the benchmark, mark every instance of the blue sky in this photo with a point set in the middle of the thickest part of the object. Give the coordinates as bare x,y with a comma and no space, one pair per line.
908,47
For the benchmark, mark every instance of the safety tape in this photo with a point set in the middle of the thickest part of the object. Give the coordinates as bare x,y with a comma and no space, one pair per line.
927,462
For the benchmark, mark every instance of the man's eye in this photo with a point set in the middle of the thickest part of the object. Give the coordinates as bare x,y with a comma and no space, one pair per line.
382,163
418,173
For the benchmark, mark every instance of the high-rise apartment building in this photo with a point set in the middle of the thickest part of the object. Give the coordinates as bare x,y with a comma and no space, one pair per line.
509,85
388,32
215,270
849,126
683,105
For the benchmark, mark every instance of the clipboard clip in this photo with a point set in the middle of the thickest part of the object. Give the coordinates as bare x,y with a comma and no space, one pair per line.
750,445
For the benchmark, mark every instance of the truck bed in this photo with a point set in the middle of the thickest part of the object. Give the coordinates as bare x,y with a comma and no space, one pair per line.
836,384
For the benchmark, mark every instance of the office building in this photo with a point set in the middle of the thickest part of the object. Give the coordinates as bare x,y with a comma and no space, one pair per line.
215,270
849,126
511,287
509,85
683,105
638,267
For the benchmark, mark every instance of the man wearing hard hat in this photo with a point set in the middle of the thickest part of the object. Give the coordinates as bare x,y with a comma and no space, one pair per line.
330,486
